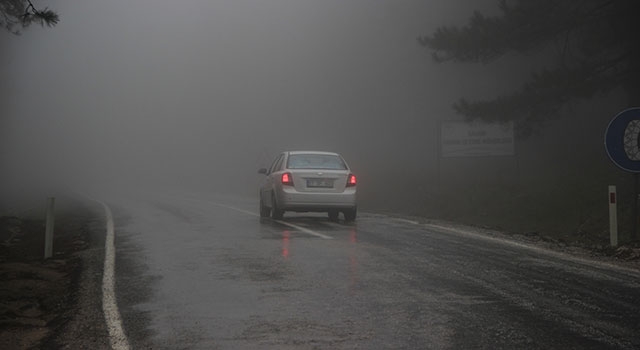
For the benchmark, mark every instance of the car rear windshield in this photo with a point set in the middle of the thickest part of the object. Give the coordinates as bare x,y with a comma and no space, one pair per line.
315,161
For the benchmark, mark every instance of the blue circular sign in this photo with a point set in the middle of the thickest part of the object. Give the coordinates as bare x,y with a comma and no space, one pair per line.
622,140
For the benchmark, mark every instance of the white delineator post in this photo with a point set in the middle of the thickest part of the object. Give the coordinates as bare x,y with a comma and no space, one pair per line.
613,217
48,232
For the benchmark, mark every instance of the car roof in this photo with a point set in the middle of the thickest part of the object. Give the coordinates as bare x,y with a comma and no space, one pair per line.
313,152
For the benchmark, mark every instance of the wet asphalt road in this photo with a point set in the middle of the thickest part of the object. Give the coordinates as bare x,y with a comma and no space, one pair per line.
204,272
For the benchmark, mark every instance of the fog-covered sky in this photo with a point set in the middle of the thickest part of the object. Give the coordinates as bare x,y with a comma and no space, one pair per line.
204,91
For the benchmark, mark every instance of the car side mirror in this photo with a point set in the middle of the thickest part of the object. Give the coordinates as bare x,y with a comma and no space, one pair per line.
262,171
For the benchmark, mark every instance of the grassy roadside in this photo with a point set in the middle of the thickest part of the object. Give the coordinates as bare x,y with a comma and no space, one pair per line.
560,214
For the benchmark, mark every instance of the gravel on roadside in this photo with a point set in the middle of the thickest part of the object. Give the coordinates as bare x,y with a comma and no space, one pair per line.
53,303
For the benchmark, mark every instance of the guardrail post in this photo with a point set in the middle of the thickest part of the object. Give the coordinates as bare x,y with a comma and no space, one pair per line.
48,233
613,217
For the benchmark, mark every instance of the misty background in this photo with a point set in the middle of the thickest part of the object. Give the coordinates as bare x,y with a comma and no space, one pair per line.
200,94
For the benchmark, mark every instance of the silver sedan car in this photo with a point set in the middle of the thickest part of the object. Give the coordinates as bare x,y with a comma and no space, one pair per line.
308,181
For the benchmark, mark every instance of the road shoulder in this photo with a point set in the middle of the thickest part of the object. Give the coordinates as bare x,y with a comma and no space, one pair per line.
53,303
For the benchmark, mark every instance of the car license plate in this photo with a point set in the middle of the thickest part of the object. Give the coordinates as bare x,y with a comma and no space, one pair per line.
319,183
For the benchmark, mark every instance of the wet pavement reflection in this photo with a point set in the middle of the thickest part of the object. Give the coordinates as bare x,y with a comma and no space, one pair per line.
222,277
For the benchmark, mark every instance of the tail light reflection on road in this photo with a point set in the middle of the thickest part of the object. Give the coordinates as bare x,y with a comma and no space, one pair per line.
285,243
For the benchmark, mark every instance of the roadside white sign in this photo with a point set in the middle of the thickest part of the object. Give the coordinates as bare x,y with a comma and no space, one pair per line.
476,139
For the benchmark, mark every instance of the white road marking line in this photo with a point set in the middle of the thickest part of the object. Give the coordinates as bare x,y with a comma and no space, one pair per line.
300,228
117,337
414,222
236,209
538,250
305,230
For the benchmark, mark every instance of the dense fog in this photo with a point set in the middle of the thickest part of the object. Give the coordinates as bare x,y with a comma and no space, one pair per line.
203,93
200,94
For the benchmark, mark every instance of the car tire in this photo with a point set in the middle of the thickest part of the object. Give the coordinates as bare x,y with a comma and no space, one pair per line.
350,214
276,212
265,211
333,215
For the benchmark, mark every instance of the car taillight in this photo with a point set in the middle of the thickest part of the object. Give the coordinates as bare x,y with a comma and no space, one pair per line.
351,180
287,179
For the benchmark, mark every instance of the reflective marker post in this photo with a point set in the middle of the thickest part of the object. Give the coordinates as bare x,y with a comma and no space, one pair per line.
48,233
636,197
622,143
613,217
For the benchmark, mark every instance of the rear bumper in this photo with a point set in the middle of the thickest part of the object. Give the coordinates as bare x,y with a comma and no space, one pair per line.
304,201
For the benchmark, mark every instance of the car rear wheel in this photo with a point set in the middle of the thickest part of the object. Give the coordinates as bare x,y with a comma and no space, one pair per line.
276,212
265,211
333,215
350,214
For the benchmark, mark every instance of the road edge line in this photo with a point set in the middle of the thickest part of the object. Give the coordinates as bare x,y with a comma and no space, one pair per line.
117,337
540,250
